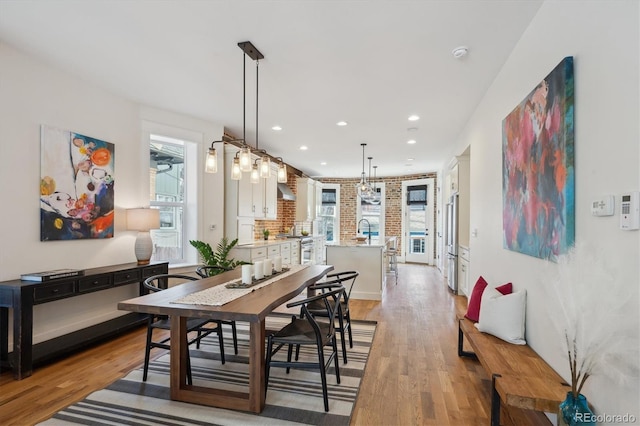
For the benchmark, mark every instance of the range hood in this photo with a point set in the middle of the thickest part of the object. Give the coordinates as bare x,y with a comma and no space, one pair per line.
285,192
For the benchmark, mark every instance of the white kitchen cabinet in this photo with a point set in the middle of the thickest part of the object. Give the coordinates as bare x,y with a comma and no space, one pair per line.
463,270
238,204
318,198
265,196
305,199
319,250
295,252
285,253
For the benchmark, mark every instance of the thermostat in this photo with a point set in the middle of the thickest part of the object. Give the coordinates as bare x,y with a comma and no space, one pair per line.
603,206
630,211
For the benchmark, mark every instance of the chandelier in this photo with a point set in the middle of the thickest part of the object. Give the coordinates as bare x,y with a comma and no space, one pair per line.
243,162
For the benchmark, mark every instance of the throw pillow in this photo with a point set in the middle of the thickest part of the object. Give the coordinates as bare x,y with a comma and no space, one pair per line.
503,315
505,288
473,307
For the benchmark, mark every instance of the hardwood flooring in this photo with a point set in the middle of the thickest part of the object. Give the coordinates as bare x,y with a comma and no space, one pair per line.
413,375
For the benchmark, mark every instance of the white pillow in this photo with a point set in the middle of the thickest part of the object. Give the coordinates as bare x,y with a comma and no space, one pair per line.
503,315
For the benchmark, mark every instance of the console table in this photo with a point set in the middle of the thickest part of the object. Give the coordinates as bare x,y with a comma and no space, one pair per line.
21,296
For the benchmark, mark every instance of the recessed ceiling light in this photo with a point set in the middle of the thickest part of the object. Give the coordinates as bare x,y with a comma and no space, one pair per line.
341,123
414,118
411,141
412,129
408,164
323,163
460,52
410,159
276,128
303,148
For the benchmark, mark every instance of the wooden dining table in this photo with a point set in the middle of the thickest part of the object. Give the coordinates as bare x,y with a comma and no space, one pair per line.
252,308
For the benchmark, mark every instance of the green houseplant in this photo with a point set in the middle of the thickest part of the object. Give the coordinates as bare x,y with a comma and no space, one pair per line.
265,234
219,257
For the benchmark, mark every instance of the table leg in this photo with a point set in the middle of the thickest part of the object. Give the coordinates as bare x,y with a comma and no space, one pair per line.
22,335
178,355
4,337
256,366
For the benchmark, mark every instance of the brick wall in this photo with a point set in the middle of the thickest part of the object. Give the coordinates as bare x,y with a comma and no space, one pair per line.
393,204
348,207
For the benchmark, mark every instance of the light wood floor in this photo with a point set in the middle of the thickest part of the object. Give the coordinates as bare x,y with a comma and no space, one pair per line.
413,375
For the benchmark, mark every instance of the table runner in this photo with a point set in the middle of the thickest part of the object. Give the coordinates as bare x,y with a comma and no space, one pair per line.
220,294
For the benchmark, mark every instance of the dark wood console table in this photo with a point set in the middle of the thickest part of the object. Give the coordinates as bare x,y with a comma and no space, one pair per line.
21,296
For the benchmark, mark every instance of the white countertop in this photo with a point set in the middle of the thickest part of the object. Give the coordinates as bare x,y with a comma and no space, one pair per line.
355,243
265,243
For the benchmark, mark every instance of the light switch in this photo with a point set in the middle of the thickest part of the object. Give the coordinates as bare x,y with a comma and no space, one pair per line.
603,206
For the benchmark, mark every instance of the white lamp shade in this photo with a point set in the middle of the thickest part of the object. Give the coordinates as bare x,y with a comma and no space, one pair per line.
236,173
255,175
143,219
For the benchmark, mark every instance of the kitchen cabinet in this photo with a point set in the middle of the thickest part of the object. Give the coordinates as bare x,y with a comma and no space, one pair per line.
305,199
289,251
265,196
463,271
319,250
459,182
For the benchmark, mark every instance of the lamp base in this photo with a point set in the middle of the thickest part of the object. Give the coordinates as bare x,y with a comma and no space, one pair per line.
143,248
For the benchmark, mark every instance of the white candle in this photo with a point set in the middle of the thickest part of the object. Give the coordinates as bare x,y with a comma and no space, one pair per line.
268,267
247,271
277,263
258,269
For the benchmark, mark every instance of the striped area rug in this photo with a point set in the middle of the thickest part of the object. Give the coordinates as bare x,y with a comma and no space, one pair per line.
292,399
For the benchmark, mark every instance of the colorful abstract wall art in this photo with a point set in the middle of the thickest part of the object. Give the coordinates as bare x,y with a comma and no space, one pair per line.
76,186
538,179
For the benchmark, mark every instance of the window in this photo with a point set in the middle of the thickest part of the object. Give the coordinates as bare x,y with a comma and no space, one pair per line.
417,209
374,215
330,211
170,191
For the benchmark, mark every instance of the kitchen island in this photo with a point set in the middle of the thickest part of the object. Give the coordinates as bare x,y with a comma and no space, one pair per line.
368,259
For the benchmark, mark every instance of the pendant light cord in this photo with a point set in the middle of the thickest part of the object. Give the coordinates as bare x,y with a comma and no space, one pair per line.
257,79
244,97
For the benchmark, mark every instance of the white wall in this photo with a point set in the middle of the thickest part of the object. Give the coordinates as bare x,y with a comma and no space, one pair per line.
34,93
603,37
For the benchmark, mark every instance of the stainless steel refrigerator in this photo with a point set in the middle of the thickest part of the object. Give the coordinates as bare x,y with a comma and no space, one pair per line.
452,243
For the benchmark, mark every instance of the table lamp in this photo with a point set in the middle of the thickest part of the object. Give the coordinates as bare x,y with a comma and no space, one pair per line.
142,220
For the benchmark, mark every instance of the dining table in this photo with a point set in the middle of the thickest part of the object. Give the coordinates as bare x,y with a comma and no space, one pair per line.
252,306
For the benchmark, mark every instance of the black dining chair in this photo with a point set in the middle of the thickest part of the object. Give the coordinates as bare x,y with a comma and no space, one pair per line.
306,331
345,280
209,271
202,327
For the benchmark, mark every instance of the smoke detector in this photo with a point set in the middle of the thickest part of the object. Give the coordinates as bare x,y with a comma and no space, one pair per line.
460,52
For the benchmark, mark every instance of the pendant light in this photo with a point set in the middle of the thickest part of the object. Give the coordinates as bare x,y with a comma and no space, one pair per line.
363,187
255,174
375,195
236,172
282,171
211,162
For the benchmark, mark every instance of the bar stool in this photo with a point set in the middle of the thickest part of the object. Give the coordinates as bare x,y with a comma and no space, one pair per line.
392,253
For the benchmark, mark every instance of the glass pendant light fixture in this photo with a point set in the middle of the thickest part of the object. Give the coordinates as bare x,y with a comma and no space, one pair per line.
211,162
265,166
255,174
362,187
245,159
282,171
236,173
375,195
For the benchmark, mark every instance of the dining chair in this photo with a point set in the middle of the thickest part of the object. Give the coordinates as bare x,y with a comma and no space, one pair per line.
345,280
306,331
209,271
202,327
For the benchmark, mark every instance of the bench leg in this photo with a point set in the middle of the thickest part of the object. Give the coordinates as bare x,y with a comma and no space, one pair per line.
461,352
495,402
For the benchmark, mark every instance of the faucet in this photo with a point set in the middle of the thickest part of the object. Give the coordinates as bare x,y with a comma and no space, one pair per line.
369,228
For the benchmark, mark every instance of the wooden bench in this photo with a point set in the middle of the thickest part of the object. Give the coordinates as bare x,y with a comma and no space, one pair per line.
520,379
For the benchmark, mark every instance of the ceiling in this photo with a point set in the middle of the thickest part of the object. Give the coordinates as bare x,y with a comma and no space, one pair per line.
369,63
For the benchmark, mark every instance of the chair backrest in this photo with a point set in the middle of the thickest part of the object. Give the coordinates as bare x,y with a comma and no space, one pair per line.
161,281
210,271
333,309
344,279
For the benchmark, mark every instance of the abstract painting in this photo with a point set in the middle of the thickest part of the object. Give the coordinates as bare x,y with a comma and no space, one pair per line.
538,179
76,186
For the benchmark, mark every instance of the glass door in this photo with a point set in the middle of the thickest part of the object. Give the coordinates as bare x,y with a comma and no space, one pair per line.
417,221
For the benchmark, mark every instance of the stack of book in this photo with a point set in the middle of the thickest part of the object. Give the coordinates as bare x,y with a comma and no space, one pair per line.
51,275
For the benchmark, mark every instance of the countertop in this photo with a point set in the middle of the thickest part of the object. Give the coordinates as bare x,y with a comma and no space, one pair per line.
365,244
266,243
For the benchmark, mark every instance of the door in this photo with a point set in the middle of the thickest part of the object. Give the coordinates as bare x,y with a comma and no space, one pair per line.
418,221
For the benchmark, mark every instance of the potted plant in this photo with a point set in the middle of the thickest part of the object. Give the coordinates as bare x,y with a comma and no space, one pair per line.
220,257
265,234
